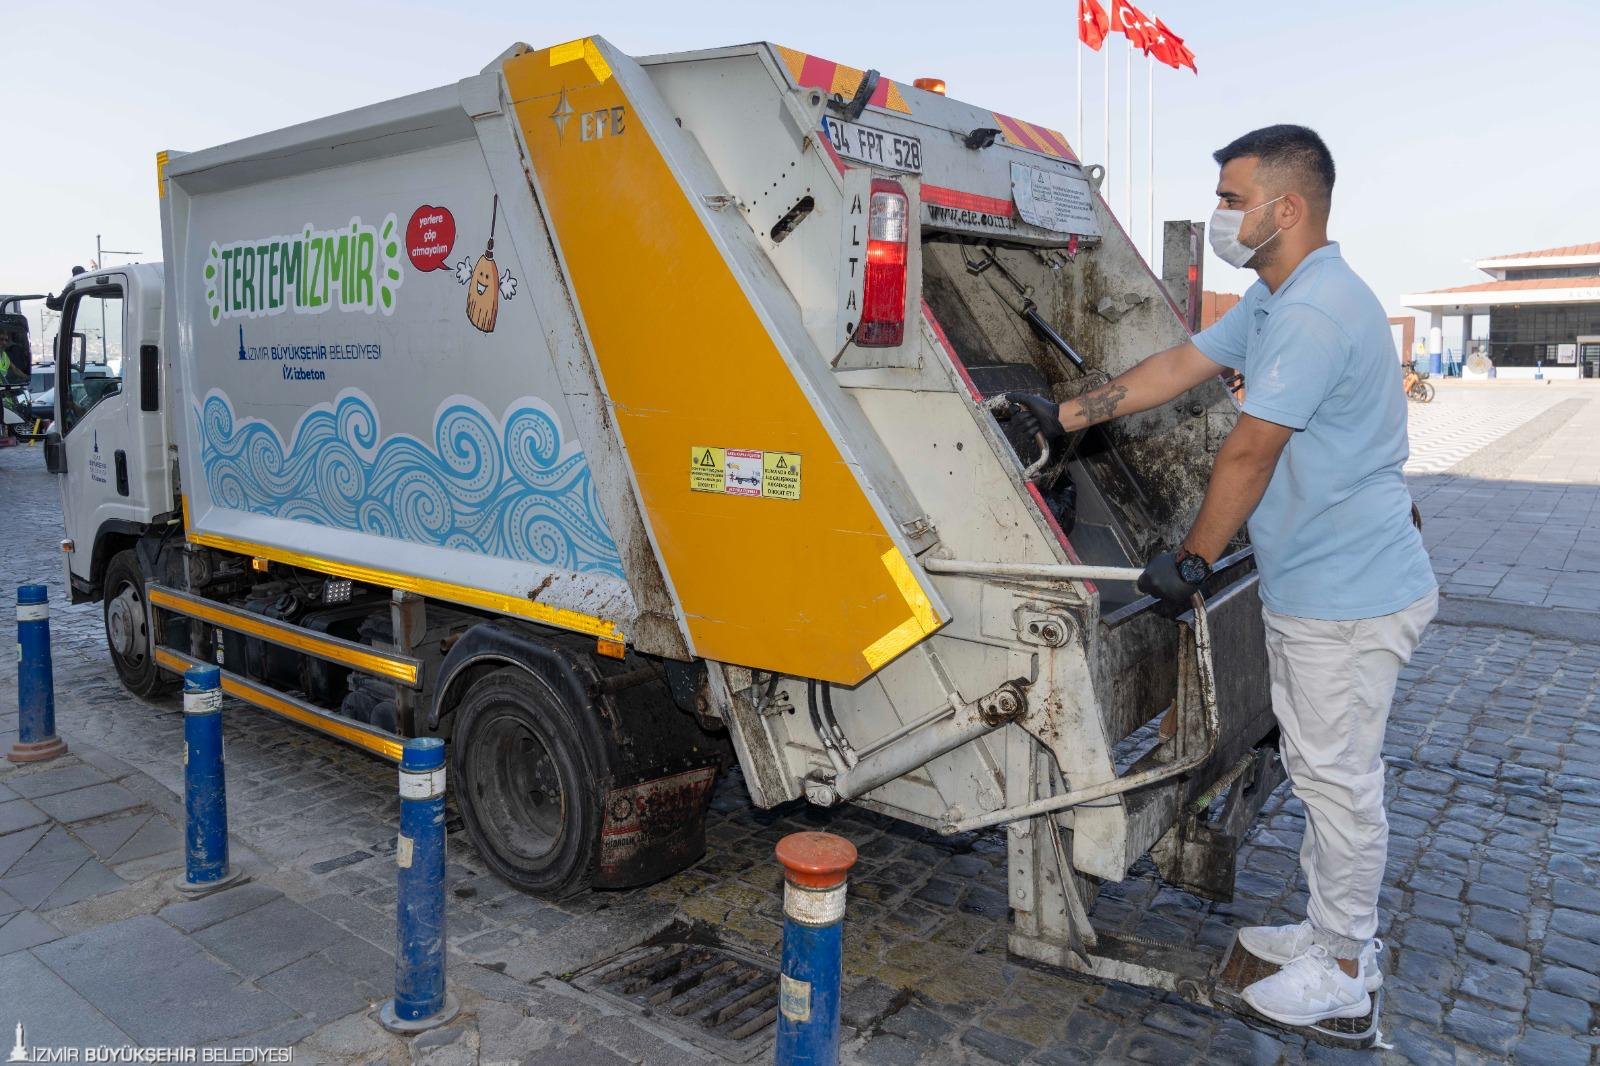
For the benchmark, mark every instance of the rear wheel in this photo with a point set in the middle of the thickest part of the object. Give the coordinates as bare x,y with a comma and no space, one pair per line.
127,629
1422,391
528,772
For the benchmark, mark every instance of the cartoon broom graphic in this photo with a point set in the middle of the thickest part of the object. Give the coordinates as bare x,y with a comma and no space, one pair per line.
486,286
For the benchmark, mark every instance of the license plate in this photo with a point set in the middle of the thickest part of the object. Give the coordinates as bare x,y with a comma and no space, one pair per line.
878,148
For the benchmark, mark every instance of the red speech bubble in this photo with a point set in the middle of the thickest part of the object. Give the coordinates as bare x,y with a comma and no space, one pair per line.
430,235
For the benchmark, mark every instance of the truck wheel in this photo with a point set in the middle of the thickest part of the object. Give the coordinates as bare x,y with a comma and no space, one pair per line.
529,787
127,633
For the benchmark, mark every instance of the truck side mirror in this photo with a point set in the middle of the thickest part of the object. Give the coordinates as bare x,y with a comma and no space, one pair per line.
55,453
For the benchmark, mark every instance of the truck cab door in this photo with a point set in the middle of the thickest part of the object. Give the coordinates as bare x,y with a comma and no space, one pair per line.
97,354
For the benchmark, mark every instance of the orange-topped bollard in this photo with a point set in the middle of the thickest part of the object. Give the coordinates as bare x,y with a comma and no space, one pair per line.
815,866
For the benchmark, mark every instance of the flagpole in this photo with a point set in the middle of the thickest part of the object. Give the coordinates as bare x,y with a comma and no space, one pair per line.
1127,223
1150,128
1105,184
1106,103
1077,145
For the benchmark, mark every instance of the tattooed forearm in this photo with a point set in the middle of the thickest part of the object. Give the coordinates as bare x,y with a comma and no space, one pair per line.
1101,404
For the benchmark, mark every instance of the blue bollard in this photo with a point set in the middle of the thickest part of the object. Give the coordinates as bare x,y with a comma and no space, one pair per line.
814,890
420,1001
205,797
36,691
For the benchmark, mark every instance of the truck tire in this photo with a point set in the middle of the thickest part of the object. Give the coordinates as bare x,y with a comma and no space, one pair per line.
529,775
127,635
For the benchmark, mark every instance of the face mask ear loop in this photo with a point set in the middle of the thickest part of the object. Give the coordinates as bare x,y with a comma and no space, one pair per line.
1275,232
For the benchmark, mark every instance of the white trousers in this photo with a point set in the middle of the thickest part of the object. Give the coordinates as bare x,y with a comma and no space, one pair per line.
1332,683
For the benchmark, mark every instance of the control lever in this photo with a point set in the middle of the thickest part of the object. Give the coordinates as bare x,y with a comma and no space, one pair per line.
1024,305
998,405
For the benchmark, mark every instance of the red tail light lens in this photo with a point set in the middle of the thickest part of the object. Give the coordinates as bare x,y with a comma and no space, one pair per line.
883,301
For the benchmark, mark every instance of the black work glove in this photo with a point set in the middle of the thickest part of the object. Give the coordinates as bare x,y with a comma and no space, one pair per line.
1036,414
1163,579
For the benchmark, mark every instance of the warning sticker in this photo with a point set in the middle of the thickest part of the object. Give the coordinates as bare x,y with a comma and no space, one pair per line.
744,472
780,475
742,476
705,468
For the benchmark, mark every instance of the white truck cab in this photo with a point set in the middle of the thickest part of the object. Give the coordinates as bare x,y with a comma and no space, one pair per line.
110,435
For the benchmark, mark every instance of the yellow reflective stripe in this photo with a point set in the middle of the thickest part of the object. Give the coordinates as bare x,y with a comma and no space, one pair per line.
584,49
923,619
892,643
375,662
906,581
497,602
386,745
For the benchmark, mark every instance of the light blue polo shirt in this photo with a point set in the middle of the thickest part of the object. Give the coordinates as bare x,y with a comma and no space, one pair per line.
1333,534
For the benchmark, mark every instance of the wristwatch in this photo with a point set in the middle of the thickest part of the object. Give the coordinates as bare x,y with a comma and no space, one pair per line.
1192,568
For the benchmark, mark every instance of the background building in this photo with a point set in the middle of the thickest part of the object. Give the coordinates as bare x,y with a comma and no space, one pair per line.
1543,308
1213,305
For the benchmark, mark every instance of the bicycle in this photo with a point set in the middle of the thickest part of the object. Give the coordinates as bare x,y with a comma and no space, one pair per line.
1417,386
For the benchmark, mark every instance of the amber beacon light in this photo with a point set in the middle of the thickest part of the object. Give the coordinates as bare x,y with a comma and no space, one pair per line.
933,85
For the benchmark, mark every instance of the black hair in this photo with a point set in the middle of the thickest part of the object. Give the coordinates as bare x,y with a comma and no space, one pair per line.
1287,149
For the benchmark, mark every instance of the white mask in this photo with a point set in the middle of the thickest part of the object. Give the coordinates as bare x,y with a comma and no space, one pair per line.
1224,235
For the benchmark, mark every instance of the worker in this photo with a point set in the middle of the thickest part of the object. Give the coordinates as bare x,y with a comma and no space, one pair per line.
1314,463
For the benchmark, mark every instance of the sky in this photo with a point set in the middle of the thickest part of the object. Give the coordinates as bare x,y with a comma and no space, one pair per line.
1460,130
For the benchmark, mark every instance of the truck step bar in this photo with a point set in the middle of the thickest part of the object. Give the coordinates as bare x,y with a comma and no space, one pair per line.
400,669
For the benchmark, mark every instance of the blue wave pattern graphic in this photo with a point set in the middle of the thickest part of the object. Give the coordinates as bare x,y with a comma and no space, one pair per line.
506,488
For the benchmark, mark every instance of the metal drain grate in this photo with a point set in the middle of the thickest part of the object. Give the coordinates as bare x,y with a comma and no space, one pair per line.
706,993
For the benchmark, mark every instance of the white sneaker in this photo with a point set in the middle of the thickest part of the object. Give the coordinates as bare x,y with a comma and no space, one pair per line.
1309,989
1283,944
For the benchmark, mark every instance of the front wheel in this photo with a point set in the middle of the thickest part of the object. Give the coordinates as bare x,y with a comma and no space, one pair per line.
128,631
1422,391
528,772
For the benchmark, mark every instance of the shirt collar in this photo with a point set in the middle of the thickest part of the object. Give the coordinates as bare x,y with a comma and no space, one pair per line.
1267,299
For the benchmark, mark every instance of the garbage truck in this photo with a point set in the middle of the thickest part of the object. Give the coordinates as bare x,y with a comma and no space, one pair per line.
606,415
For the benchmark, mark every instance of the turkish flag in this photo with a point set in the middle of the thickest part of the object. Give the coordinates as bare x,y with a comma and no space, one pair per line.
1169,48
1130,21
1093,23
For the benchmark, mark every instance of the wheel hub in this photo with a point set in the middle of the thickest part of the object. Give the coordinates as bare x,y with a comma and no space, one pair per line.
125,624
523,797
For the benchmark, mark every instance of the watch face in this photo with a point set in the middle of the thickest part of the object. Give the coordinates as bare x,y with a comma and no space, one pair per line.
1193,569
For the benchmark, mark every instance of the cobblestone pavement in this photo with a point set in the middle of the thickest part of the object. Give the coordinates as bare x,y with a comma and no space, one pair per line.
1491,904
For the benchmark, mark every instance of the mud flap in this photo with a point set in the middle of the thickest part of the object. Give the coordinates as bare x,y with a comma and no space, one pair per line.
654,828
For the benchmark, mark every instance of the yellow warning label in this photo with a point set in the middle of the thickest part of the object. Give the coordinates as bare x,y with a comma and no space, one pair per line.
706,467
744,472
780,475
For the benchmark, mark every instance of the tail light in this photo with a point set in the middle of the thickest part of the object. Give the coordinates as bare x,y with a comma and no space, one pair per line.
883,300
